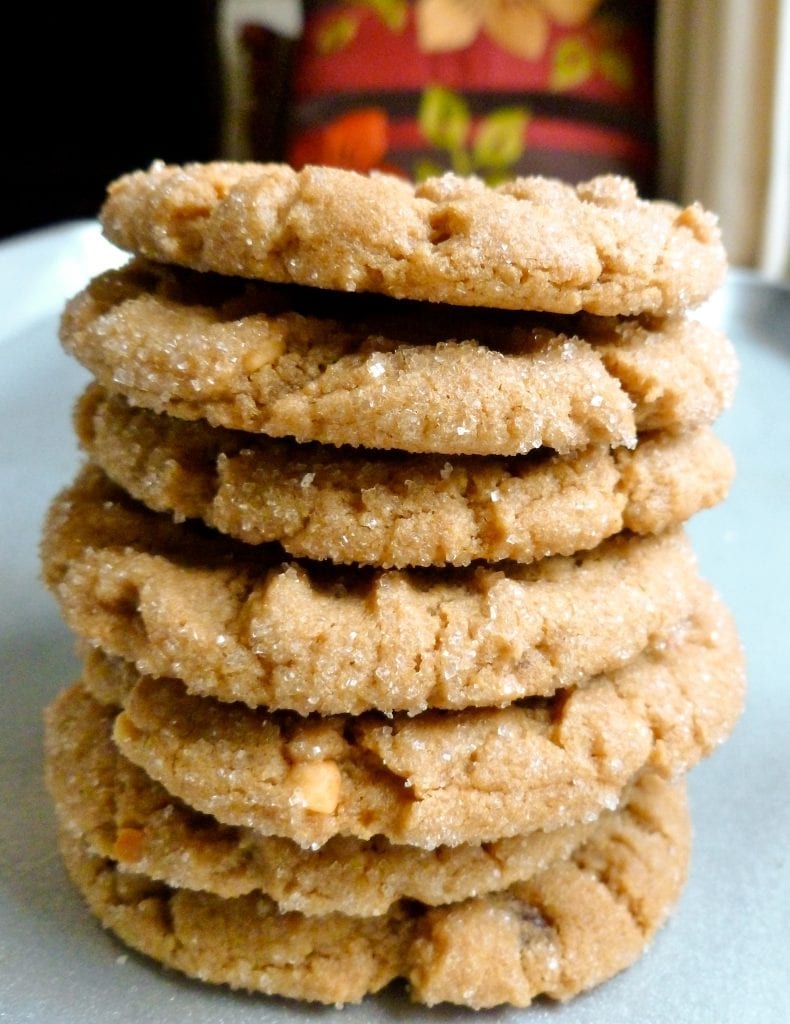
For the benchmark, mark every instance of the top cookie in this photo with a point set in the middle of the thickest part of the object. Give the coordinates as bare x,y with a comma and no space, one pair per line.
532,243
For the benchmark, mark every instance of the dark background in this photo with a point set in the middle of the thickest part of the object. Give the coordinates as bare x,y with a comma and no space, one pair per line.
89,92
92,91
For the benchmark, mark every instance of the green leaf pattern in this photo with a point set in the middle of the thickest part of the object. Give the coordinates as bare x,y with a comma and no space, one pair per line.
494,146
489,149
572,64
341,29
444,118
575,59
500,138
338,33
392,12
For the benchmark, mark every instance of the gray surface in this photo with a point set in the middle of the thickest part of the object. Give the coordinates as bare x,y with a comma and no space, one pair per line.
724,955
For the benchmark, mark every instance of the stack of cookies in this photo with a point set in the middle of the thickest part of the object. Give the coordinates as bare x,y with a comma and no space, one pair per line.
395,651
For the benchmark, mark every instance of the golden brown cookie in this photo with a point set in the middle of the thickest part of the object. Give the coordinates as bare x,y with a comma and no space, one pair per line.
441,778
571,927
420,378
244,623
532,243
123,814
395,510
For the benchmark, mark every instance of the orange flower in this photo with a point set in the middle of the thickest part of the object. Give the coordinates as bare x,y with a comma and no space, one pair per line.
519,26
357,141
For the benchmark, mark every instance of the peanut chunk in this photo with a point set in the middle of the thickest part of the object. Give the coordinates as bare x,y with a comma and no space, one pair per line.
270,346
316,785
128,845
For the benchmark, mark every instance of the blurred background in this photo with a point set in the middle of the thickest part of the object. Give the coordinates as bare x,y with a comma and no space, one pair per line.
691,98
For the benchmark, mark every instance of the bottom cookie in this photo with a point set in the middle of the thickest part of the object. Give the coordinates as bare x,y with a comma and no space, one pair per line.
567,929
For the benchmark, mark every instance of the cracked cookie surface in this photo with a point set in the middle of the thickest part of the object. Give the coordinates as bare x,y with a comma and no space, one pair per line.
440,778
385,374
395,510
568,928
533,243
247,623
123,814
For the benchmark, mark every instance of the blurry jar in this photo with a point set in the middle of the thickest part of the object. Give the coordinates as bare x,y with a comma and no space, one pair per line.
418,87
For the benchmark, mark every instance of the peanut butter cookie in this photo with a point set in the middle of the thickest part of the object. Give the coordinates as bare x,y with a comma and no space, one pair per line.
247,623
395,510
532,243
381,374
568,928
123,814
442,778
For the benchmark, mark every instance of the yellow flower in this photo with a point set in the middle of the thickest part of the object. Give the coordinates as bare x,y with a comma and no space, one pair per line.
519,26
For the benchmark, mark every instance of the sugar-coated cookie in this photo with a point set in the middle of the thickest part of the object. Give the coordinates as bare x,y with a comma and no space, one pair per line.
532,243
345,370
568,928
123,814
248,623
395,510
442,778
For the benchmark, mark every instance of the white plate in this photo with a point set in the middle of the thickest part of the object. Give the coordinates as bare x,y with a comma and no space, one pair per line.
724,955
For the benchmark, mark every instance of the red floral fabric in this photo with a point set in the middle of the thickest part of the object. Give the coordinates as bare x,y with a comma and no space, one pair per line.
490,87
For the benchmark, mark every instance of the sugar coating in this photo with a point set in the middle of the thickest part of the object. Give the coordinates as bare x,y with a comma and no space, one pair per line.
570,927
395,510
532,243
420,378
123,814
445,778
244,623
471,759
